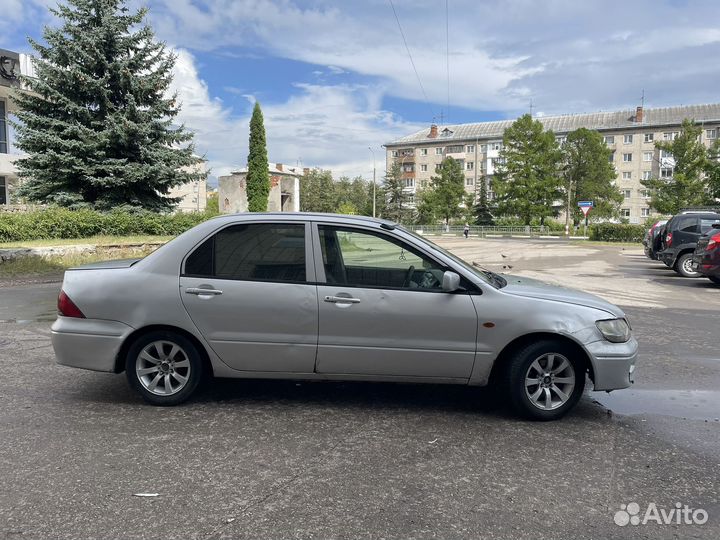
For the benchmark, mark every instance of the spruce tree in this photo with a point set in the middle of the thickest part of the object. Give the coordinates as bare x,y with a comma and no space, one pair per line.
258,177
447,190
98,122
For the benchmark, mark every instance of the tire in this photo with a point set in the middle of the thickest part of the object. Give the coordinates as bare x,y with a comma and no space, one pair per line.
530,362
683,266
714,279
161,358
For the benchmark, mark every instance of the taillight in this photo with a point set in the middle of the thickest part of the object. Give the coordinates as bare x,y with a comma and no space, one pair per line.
67,308
714,242
668,239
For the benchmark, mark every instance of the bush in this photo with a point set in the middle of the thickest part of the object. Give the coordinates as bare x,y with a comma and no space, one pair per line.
57,223
617,232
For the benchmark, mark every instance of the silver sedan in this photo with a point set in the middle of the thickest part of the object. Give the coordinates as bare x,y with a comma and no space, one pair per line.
318,297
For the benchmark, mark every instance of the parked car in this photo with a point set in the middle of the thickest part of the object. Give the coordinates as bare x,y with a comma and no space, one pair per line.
318,297
682,233
651,241
707,254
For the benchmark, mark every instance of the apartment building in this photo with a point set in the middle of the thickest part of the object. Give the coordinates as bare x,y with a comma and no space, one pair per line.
630,134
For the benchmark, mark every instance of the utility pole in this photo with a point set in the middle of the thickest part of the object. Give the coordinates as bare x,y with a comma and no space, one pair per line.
373,190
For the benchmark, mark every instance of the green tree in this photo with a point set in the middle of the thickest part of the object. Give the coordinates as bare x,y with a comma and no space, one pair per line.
258,175
482,215
317,192
396,199
212,206
527,180
589,175
687,186
98,123
712,173
447,190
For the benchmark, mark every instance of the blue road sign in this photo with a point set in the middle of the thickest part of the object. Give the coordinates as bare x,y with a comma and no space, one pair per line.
587,204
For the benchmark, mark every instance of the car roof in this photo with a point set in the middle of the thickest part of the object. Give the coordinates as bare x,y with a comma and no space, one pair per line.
308,216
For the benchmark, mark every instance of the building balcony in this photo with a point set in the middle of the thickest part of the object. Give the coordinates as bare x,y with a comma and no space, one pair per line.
455,155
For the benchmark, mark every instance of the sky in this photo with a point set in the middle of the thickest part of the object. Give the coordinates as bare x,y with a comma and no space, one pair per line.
335,80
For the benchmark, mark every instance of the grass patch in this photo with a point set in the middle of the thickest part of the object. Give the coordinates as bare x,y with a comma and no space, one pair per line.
32,267
95,240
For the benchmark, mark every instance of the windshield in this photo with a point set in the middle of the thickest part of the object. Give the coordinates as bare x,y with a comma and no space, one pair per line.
488,276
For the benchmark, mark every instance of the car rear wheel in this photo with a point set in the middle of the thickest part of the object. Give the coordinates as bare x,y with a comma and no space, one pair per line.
545,380
684,266
163,367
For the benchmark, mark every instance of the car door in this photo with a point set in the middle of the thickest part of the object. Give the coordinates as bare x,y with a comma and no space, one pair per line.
382,312
249,289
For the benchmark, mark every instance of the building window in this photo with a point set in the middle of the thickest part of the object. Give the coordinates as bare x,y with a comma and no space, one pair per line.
649,137
497,145
3,192
627,175
670,135
470,148
627,158
645,212
3,130
410,198
561,140
666,173
626,193
395,153
711,133
645,193
408,168
609,139
483,148
469,181
469,165
438,151
664,154
625,212
627,139
423,183
423,151
437,167
647,156
646,175
410,182
423,167
456,149
611,157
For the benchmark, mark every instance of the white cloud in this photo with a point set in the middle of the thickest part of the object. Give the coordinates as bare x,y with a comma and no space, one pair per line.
322,126
569,56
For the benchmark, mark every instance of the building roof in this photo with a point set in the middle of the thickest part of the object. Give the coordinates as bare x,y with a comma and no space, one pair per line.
277,168
565,123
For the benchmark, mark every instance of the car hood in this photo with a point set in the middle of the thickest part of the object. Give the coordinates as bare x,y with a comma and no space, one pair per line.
533,288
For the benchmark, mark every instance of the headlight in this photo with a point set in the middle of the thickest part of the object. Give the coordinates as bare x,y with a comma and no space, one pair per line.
615,330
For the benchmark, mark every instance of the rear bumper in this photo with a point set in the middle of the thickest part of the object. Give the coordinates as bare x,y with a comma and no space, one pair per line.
88,343
613,363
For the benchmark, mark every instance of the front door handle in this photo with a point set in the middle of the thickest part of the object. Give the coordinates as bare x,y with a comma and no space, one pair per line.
341,300
200,291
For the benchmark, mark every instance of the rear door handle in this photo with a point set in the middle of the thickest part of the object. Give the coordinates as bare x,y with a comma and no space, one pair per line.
200,292
341,300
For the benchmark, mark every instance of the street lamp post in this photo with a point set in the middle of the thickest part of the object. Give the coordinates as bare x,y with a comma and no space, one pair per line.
373,155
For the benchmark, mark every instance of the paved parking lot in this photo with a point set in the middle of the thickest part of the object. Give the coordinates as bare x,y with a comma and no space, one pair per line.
253,459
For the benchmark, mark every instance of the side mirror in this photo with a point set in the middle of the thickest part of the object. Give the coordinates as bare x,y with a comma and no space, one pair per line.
450,282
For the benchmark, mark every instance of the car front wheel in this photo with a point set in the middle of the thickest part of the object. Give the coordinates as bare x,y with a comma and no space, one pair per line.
163,367
684,266
545,380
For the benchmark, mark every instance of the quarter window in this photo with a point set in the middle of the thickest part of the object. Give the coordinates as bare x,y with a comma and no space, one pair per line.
364,259
257,252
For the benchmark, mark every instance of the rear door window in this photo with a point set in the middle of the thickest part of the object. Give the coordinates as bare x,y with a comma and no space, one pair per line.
707,223
255,252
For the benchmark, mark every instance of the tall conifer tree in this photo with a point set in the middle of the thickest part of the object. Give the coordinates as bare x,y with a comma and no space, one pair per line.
258,177
98,122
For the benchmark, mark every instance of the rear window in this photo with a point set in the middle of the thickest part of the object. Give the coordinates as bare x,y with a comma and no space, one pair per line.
706,224
258,252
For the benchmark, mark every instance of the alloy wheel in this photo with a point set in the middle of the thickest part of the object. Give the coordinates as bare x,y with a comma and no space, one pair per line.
549,381
163,368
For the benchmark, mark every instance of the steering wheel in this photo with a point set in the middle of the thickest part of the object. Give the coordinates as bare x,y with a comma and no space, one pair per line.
408,277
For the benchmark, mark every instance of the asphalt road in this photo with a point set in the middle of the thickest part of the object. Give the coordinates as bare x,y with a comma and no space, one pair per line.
254,459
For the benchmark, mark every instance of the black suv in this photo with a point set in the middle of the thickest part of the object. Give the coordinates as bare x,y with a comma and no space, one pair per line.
681,235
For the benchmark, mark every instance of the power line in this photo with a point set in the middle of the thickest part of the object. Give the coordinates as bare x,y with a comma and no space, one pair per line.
427,101
447,53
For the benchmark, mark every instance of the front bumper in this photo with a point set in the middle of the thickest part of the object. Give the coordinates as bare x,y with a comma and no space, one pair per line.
613,363
88,343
